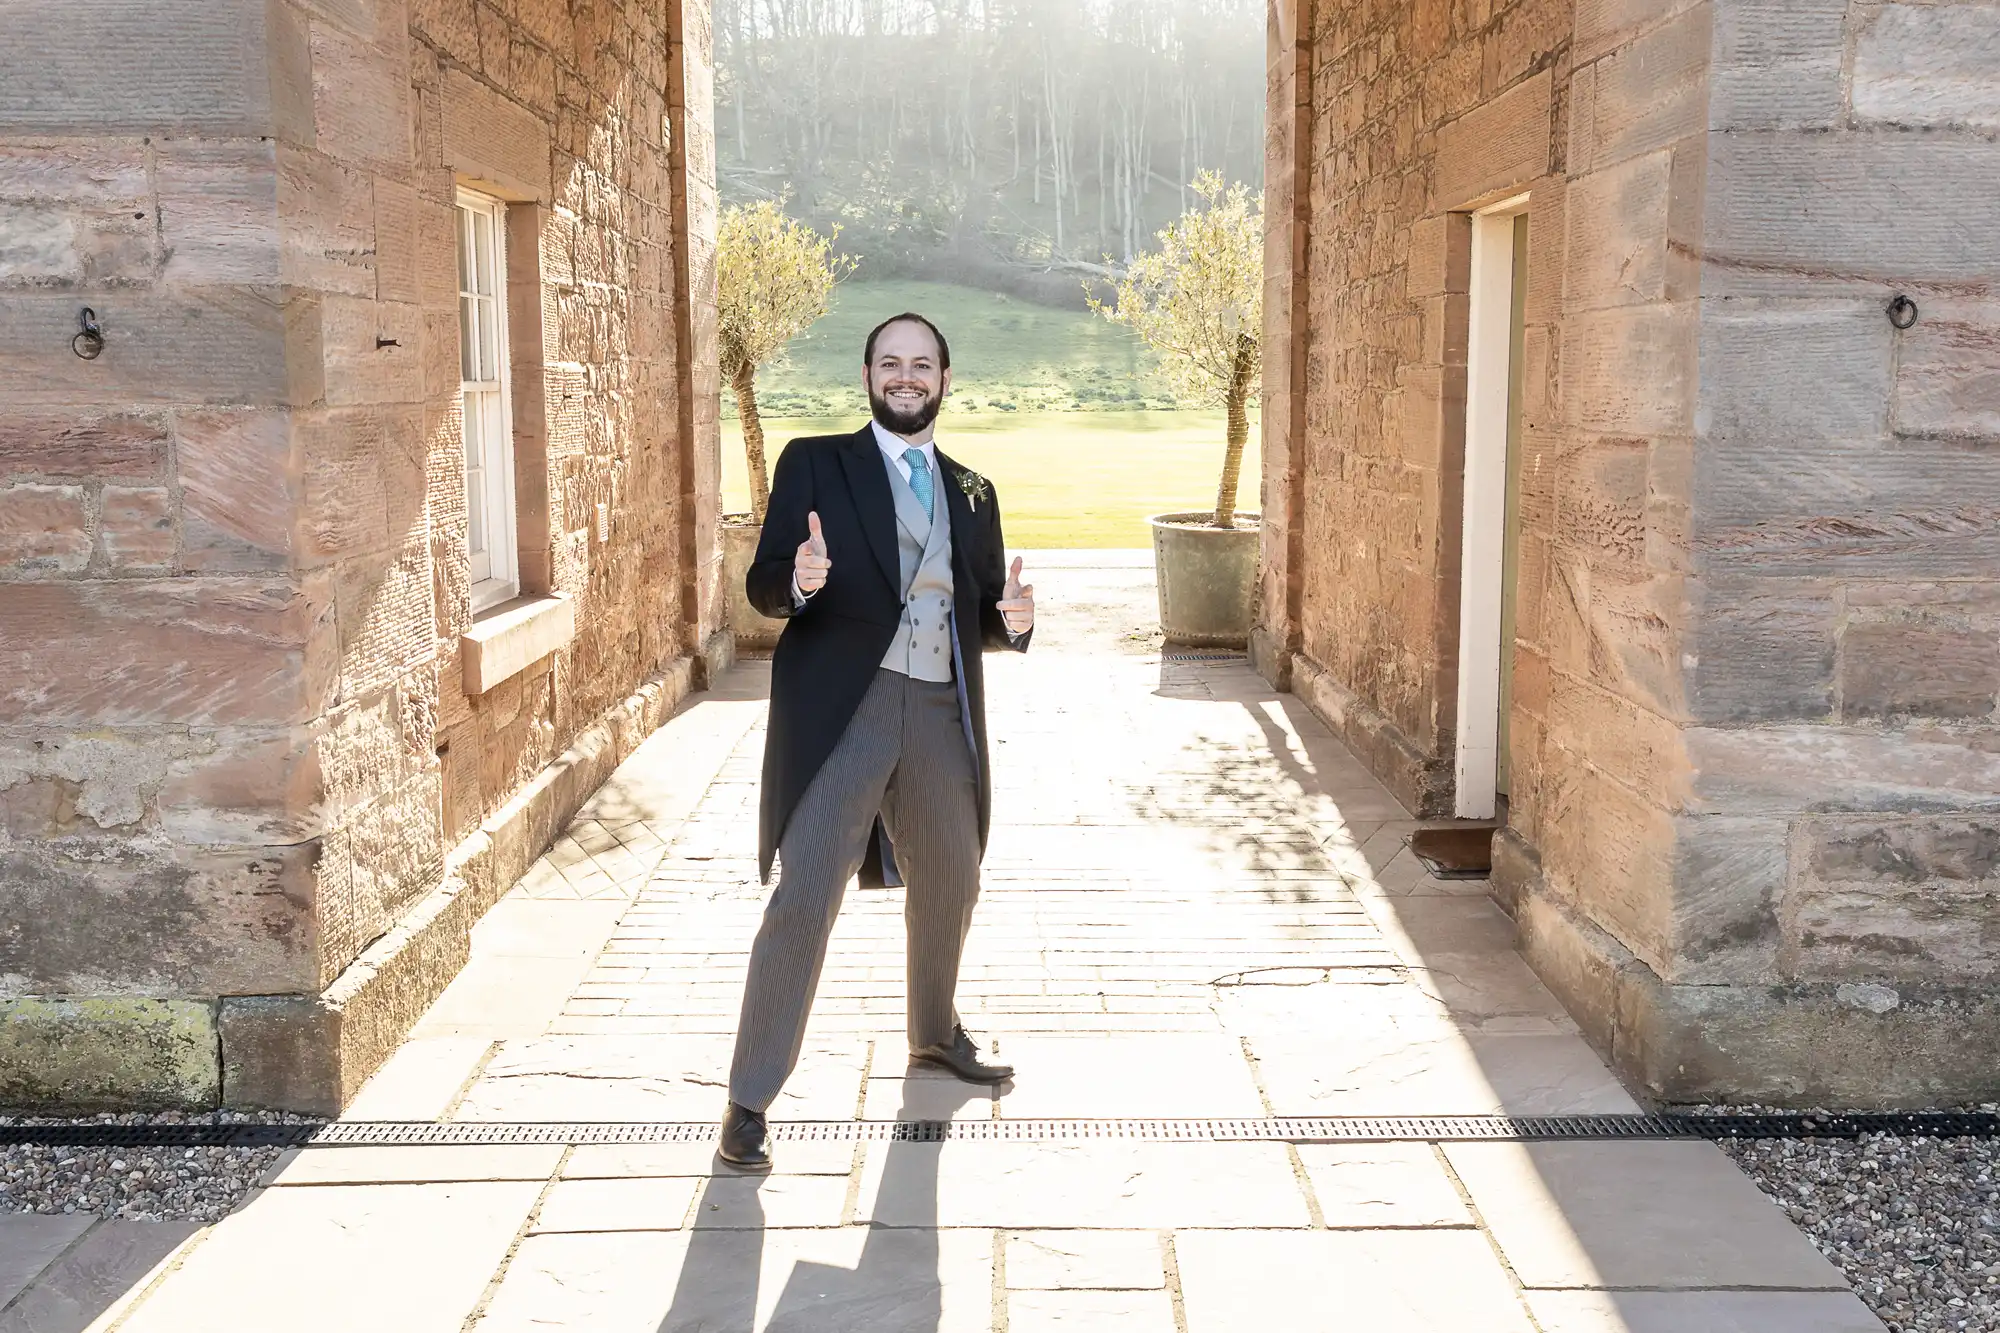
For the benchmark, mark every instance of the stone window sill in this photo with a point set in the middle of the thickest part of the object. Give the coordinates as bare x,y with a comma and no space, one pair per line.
505,640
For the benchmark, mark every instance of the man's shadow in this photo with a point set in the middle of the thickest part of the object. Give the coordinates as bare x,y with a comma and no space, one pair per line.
895,1285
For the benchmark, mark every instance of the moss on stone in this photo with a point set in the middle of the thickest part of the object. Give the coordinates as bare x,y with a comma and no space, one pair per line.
102,1052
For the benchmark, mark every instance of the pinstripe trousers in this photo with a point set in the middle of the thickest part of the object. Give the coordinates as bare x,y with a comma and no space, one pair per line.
903,756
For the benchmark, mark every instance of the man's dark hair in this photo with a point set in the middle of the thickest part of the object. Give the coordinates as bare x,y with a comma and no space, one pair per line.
912,317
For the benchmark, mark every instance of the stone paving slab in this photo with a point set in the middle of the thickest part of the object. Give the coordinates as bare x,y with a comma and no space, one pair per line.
1363,1185
1079,1260
1650,1214
1319,1282
844,1280
1701,1312
1090,1312
415,1165
1094,1184
97,1272
29,1243
342,1260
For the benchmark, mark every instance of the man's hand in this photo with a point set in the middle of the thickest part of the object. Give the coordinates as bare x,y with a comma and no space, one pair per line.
810,565
1017,601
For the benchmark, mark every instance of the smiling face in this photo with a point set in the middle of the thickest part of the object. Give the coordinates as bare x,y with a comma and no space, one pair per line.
906,384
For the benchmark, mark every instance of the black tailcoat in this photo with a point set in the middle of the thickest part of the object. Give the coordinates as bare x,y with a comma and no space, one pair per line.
830,649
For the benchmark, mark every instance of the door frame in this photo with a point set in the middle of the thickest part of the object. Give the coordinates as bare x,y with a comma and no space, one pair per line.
1483,522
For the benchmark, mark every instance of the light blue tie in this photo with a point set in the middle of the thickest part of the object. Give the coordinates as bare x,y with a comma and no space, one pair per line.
920,479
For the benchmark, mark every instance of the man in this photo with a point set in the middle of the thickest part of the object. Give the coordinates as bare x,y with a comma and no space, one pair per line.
885,559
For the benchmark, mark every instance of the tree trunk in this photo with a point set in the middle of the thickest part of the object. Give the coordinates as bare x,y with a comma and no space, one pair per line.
1239,434
745,384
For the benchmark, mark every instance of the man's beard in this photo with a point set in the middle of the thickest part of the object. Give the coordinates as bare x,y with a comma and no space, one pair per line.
902,418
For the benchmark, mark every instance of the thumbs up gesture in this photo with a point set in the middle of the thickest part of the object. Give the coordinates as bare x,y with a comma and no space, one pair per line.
810,565
1017,601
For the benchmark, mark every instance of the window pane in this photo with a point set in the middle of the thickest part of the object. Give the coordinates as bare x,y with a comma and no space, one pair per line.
482,234
464,249
475,490
489,341
468,337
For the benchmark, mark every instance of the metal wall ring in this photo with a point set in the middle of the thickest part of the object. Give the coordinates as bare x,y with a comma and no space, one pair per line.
1902,311
89,342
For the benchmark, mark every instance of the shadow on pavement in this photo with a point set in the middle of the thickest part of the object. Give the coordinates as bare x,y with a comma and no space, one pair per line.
895,1285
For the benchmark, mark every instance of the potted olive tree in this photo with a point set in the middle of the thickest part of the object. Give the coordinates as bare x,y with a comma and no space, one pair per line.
773,277
1198,300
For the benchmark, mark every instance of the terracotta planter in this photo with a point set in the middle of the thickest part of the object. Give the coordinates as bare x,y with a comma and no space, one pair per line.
1207,578
739,548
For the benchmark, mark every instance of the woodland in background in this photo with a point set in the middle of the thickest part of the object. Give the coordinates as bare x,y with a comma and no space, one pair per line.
1016,145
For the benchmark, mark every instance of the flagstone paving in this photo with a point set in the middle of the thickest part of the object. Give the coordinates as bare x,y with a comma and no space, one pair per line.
1197,904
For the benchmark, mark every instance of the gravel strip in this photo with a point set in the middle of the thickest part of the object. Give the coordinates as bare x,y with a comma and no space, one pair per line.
1913,1223
144,1184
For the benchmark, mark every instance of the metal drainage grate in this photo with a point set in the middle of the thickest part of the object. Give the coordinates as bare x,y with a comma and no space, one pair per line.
1282,1129
1204,657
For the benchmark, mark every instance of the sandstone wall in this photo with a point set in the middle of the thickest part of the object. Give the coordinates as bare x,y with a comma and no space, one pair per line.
1751,837
237,753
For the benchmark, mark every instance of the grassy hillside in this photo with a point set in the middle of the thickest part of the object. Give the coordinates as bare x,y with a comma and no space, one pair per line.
1065,479
1007,355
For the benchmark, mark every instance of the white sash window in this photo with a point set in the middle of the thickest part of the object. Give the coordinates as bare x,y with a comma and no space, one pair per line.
489,436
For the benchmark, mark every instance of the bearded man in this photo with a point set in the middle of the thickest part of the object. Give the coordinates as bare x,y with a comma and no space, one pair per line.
884,558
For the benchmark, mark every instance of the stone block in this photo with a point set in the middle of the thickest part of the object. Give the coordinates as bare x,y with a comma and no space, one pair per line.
396,845
244,789
1618,233
99,1273
1613,854
396,221
1813,508
280,1052
1806,375
38,246
361,99
75,172
1779,770
1909,667
1648,95
327,211
215,345
1638,747
1895,900
44,530
363,488
1763,649
219,211
384,607
495,141
240,490
1778,65
1948,371
178,69
1605,25
1728,885
1853,1044
136,527
1576,960
1928,65
188,652
1792,213
108,917
1500,146
1631,371
92,1052
372,352
130,448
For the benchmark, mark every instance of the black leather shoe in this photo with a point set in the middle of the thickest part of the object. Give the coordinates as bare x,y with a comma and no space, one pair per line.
961,1057
746,1140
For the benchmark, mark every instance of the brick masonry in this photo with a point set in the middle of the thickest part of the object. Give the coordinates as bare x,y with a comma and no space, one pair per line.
1757,655
237,760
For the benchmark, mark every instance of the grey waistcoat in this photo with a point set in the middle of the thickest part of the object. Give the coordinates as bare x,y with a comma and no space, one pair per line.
922,646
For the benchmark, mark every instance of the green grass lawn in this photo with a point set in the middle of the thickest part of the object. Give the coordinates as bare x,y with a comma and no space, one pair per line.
1065,479
1007,355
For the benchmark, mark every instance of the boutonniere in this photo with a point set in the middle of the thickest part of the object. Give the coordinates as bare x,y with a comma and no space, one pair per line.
976,487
